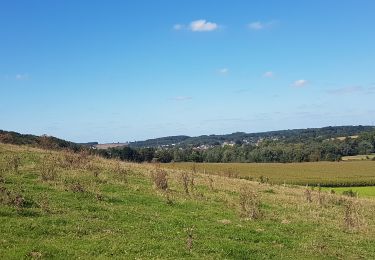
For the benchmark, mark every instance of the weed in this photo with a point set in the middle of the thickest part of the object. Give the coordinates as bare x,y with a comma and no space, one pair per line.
48,170
122,172
211,183
263,179
43,203
77,188
159,177
185,182
351,215
350,193
308,194
13,163
250,204
192,182
270,191
189,240
11,198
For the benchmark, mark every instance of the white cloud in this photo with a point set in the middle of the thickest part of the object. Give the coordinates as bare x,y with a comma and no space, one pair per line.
300,83
223,71
256,26
181,98
268,74
202,26
21,76
178,27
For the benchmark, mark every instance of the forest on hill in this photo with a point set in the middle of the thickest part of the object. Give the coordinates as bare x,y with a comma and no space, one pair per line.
304,145
289,136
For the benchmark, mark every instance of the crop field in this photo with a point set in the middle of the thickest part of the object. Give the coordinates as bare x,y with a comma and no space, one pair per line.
60,205
328,174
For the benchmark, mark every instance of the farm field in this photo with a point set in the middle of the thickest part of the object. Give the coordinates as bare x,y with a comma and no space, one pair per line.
329,174
61,205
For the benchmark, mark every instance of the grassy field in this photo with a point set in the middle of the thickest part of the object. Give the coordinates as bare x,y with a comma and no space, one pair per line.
329,174
64,206
368,191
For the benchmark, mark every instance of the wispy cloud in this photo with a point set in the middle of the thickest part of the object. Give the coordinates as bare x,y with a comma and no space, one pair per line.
202,26
258,25
300,83
268,74
22,76
223,71
181,98
178,27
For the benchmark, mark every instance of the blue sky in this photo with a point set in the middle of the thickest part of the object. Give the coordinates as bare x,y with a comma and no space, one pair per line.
113,71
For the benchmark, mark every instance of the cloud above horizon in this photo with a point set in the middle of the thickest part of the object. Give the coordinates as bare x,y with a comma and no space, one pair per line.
223,71
268,74
258,25
22,76
178,27
200,25
300,83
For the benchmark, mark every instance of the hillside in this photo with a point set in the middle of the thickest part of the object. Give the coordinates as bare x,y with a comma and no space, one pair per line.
290,136
44,141
63,205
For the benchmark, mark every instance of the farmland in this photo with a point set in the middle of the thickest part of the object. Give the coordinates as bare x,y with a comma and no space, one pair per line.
329,174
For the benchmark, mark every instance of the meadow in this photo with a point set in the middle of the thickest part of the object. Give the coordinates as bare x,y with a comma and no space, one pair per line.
325,174
62,205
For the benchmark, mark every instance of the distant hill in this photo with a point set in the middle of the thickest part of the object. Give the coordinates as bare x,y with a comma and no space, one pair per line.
44,141
292,136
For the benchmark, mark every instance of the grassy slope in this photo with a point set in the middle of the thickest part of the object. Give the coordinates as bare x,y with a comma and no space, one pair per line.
131,219
353,173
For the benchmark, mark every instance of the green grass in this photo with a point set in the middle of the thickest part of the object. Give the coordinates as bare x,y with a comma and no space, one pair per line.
129,218
361,191
330,174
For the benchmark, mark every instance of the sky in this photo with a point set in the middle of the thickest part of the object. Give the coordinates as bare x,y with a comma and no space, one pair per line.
116,71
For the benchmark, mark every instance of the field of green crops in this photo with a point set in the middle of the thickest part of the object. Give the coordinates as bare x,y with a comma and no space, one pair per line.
365,192
328,174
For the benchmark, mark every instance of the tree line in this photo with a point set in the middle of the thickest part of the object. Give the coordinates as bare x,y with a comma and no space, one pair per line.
281,151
